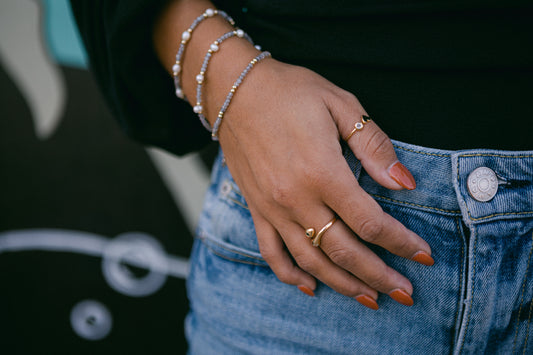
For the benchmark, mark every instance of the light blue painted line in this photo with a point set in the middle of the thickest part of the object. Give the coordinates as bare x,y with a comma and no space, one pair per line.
62,35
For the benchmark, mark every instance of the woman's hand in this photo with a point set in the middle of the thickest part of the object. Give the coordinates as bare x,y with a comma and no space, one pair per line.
280,137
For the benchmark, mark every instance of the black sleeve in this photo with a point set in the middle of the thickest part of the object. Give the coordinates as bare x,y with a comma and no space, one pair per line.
118,38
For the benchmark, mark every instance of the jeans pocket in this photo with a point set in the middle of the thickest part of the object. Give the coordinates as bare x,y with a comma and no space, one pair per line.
226,226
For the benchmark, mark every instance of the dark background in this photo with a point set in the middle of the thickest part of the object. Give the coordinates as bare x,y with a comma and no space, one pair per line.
84,181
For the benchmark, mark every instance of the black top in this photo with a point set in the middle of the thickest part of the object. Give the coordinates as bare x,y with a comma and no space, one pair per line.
443,74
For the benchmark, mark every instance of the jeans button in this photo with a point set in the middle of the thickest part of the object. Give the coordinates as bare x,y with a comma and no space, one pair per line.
482,184
225,188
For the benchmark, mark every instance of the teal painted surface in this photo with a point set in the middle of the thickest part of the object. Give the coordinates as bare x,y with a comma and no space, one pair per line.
61,33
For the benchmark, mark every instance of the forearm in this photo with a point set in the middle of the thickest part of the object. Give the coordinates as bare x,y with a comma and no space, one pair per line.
225,66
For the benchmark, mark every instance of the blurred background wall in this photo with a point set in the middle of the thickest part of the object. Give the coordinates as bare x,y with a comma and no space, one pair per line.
95,230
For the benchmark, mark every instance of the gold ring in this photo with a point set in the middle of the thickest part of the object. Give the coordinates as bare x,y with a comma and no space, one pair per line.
358,126
317,237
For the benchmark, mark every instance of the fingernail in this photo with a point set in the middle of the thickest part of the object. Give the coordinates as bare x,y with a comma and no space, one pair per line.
399,173
367,301
306,290
402,297
423,258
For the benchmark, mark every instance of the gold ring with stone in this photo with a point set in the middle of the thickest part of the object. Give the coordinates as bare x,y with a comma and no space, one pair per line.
358,126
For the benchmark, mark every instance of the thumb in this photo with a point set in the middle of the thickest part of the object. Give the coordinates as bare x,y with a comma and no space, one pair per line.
368,142
375,151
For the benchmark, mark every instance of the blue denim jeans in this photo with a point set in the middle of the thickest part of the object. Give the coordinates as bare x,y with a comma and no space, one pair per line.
476,299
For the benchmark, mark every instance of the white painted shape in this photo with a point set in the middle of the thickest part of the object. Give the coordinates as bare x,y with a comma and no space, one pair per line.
59,240
187,180
25,59
135,248
91,320
53,240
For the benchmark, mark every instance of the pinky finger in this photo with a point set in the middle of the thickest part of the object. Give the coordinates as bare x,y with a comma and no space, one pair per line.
275,254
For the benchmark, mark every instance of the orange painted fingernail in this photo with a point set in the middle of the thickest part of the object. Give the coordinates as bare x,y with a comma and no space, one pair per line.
399,173
306,290
423,258
367,301
402,297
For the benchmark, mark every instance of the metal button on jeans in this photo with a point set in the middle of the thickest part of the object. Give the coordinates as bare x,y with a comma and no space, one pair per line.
225,188
482,184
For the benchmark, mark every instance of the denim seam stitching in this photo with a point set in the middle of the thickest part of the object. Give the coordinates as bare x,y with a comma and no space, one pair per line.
471,295
233,259
238,203
229,250
236,252
522,299
498,214
462,273
527,329
420,152
238,194
495,155
415,205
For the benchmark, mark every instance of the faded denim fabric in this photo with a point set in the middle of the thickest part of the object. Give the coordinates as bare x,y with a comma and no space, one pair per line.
476,299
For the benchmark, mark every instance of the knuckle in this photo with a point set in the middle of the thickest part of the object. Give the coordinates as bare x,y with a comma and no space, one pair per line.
347,96
404,245
269,255
284,276
379,145
370,228
340,256
307,264
283,194
379,279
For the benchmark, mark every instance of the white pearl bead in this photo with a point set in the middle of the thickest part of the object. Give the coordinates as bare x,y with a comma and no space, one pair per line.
240,33
214,47
199,78
176,68
197,109
209,12
179,93
186,35
258,47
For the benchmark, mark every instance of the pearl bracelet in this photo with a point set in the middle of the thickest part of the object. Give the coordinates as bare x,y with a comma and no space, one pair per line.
200,78
185,37
216,126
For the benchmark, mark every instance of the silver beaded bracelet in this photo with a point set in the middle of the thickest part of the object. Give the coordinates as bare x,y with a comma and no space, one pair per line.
185,37
200,78
216,126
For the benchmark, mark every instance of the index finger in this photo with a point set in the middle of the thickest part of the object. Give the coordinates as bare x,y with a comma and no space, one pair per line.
367,219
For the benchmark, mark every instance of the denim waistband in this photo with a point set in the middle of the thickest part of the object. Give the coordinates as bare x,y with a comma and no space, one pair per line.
442,182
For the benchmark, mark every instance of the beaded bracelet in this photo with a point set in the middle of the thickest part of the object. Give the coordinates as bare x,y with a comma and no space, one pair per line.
214,47
216,126
185,37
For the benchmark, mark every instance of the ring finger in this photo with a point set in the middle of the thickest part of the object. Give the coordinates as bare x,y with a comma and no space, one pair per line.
347,251
316,263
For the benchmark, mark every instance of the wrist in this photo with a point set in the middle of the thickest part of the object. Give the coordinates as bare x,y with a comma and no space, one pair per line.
224,67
